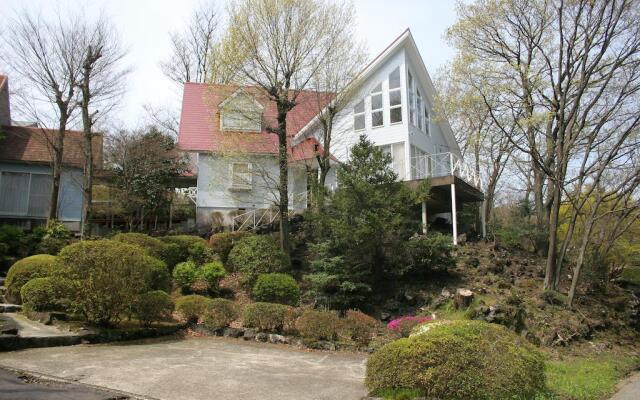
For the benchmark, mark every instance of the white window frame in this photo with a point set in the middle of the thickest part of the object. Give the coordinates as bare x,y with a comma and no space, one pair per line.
248,176
252,113
411,98
250,119
419,107
427,119
358,114
397,89
377,110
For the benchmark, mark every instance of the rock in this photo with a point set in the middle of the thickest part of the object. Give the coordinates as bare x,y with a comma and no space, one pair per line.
322,345
463,298
262,337
47,318
385,316
294,341
9,328
249,334
232,332
10,308
445,293
462,239
274,338
473,262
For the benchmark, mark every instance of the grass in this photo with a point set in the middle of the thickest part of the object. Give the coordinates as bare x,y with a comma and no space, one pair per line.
589,378
399,394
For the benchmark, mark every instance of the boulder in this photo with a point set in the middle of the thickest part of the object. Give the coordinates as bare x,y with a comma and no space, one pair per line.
274,338
463,298
232,332
249,334
262,337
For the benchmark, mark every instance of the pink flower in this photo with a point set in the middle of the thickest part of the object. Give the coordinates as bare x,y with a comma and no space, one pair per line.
405,324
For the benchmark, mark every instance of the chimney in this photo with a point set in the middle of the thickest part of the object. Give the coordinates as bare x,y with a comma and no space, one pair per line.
5,110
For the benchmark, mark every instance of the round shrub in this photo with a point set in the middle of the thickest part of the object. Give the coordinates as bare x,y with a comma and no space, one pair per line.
153,246
200,253
459,360
38,266
276,288
158,275
192,307
257,254
105,277
182,244
222,243
220,313
42,294
153,306
265,316
318,325
358,326
211,273
185,274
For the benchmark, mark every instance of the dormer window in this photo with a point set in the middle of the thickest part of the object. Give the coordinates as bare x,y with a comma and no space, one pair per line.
240,112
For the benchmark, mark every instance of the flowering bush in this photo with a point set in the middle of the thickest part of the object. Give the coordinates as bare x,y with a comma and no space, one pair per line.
404,325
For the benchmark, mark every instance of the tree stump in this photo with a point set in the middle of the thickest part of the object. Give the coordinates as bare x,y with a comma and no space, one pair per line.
463,298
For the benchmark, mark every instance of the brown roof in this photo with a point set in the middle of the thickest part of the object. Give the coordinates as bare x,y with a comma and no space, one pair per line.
31,145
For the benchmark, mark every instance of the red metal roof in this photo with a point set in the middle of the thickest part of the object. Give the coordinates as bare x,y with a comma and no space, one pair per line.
32,145
200,119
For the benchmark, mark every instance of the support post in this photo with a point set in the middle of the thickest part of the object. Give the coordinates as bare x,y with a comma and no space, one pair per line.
424,217
483,216
454,216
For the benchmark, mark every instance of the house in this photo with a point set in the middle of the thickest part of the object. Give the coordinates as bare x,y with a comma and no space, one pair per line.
25,170
394,108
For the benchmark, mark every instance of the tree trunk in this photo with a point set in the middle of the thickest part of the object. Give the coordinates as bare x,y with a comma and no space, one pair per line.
283,164
58,148
579,263
549,277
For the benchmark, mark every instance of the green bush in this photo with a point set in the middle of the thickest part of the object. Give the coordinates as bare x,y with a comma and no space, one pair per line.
192,307
276,288
222,243
200,253
153,306
42,294
265,316
52,238
220,313
255,255
430,253
211,273
185,274
358,326
158,275
459,360
318,325
105,278
182,244
38,266
167,252
631,275
12,241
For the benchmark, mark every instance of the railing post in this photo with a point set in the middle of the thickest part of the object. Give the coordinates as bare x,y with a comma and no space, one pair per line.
451,167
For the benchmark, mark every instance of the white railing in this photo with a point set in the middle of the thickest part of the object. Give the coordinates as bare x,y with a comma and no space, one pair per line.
443,164
257,217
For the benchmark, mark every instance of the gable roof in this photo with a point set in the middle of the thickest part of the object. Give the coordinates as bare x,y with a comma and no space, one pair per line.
31,145
200,119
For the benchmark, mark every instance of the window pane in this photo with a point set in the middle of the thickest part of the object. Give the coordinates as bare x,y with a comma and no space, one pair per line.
39,195
376,118
394,79
395,98
376,102
396,115
241,174
358,122
359,108
427,120
241,120
377,89
14,189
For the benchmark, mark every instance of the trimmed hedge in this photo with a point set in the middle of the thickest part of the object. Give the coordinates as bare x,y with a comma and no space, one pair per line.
268,317
318,325
42,294
276,288
358,326
222,243
459,360
192,307
38,266
211,273
259,254
220,313
185,274
167,252
153,306
182,243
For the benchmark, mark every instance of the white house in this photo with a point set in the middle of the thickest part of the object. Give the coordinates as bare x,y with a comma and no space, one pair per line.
236,156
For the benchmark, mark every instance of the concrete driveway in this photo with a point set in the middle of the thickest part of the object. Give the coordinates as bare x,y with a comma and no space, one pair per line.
201,368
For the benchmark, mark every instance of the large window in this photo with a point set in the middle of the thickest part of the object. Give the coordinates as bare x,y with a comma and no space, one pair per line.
427,120
241,112
377,118
358,116
24,194
419,109
412,106
241,176
396,150
395,97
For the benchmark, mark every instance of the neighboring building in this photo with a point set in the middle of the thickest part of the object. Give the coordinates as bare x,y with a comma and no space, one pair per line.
394,108
25,171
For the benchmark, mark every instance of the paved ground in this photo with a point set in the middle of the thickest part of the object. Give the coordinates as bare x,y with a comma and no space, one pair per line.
202,368
29,328
630,389
15,386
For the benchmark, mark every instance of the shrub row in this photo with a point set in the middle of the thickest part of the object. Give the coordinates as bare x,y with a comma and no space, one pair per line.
203,279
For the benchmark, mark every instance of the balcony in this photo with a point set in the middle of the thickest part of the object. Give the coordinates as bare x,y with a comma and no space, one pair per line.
443,165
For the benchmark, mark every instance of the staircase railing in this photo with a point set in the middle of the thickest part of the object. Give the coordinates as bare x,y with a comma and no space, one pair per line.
258,217
443,164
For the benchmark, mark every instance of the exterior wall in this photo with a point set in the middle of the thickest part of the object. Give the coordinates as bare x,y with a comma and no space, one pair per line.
70,197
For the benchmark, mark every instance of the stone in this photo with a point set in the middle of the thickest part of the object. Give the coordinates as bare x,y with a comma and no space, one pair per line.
274,338
10,308
385,316
445,293
232,332
323,345
462,239
249,334
463,298
262,337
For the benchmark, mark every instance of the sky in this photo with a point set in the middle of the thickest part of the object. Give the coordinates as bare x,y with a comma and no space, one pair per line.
145,25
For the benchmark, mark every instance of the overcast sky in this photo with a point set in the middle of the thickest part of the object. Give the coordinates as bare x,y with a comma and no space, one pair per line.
144,27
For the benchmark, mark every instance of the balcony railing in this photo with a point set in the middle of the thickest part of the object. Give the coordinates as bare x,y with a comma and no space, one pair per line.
444,164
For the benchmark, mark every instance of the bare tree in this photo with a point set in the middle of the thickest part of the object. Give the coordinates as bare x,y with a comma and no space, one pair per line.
280,47
101,86
47,57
